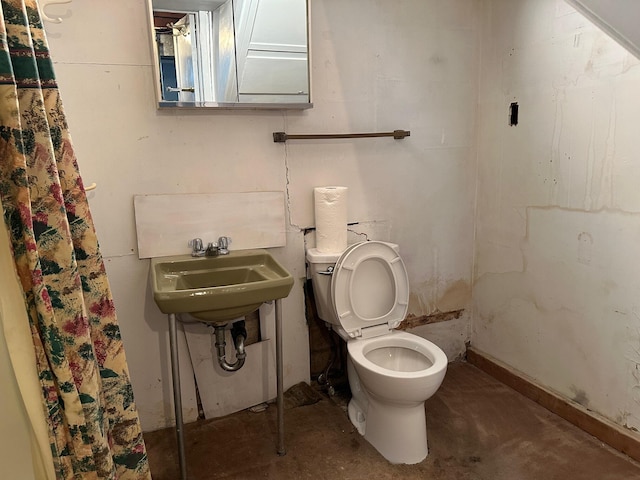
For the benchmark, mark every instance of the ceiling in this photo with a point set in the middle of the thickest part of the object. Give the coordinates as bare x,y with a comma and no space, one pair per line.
618,19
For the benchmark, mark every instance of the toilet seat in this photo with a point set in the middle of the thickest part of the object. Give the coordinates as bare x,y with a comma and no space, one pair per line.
433,359
370,289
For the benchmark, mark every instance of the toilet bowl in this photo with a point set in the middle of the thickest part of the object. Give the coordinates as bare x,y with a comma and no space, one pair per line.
362,293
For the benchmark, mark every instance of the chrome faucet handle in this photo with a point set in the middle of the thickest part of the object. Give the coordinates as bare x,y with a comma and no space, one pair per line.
197,249
223,245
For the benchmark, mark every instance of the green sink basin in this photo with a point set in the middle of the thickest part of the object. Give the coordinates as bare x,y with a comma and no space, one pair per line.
218,289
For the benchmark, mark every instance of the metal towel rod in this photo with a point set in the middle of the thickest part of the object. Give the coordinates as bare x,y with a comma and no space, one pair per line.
281,137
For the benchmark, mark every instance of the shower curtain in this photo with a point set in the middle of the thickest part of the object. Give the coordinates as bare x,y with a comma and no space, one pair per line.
87,398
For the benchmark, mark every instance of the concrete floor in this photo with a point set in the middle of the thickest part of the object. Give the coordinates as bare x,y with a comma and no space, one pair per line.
477,429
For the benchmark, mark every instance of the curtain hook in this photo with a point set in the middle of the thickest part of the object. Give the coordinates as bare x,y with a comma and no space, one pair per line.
45,3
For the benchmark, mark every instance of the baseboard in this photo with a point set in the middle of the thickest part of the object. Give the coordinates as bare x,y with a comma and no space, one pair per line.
614,435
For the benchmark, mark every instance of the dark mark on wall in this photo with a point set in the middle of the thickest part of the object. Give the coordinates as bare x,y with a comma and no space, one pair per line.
307,230
580,396
415,321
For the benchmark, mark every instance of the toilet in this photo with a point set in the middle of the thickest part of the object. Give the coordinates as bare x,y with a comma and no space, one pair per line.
363,294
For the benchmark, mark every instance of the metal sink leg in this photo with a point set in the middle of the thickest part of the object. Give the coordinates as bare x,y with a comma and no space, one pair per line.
279,374
177,398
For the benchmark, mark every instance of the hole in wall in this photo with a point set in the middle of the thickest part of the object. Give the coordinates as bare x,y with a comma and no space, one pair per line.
513,114
252,325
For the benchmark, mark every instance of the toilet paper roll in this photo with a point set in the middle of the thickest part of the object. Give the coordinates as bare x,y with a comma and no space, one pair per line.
331,219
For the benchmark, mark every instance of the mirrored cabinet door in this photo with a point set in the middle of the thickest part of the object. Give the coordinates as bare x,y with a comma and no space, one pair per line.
231,53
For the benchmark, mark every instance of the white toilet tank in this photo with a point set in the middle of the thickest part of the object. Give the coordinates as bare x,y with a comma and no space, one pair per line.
318,263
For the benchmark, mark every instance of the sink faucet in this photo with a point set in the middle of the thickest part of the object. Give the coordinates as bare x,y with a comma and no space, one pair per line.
212,250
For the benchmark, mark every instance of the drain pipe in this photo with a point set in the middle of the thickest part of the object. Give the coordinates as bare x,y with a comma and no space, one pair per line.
239,334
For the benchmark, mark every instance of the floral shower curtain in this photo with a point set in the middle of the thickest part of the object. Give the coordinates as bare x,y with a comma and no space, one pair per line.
86,393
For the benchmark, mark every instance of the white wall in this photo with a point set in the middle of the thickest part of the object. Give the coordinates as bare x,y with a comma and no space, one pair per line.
375,66
558,214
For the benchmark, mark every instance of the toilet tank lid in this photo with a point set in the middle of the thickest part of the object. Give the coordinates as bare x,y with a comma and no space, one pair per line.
315,256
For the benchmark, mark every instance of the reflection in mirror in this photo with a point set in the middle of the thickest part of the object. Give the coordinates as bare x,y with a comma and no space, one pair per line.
231,52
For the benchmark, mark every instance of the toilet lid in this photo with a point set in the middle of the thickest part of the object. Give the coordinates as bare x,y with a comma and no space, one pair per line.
370,288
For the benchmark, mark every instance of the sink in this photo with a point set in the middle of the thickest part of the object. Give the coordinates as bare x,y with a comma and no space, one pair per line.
218,289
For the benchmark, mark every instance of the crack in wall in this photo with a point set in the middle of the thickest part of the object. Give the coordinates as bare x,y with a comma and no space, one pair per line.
287,171
360,234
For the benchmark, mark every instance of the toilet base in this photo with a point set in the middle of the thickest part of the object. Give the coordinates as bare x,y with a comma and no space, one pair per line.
398,432
357,416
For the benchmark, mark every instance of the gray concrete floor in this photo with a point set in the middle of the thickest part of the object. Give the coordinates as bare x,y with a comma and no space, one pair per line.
477,429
